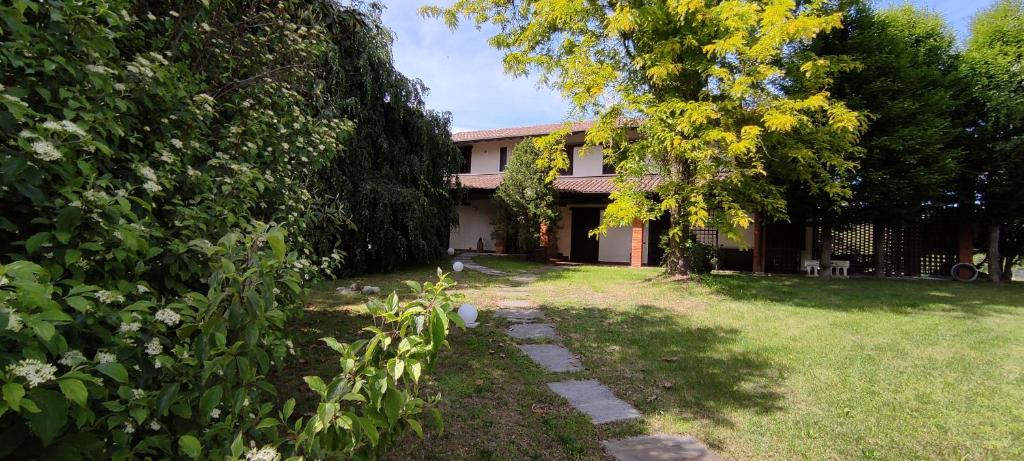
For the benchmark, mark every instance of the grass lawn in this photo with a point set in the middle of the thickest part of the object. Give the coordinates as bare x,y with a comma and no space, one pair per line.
756,367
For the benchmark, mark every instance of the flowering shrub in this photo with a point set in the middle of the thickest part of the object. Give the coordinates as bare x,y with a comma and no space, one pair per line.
376,397
157,170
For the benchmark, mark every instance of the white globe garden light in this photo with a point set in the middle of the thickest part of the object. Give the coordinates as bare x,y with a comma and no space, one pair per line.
457,266
468,313
451,251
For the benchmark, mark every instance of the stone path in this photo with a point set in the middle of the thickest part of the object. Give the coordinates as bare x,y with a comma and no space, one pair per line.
467,262
595,400
588,396
659,447
532,331
552,357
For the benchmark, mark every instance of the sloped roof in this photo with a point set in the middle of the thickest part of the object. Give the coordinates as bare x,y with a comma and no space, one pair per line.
517,132
570,184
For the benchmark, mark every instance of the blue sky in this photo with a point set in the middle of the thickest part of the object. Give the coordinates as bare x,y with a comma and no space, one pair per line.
465,75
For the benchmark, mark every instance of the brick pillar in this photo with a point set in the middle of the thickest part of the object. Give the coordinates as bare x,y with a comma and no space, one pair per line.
636,246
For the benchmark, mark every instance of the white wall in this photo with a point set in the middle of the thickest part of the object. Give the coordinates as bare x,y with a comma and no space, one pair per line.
588,162
614,247
474,223
747,236
487,155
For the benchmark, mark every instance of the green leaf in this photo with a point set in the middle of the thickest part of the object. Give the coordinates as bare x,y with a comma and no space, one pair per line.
210,400
276,240
415,425
392,405
316,384
51,418
395,368
114,370
190,446
289,407
13,392
34,242
267,422
237,446
74,390
166,398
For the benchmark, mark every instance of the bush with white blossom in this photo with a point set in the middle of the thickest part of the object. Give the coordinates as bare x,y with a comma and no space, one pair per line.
157,166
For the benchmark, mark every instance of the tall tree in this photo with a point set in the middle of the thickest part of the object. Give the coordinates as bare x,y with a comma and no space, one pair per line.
904,77
701,82
994,66
526,200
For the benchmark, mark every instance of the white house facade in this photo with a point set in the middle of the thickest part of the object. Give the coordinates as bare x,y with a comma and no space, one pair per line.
583,193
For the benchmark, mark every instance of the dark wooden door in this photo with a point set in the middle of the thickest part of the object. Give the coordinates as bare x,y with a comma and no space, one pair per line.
583,247
655,229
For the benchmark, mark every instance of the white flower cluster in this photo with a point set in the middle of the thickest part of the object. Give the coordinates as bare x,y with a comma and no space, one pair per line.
34,371
267,453
46,151
168,316
149,175
109,297
65,126
97,69
105,357
129,327
153,347
13,319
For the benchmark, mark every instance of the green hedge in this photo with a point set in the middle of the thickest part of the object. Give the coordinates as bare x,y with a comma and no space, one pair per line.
165,187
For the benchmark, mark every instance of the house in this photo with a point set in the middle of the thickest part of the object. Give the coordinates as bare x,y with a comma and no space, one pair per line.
583,193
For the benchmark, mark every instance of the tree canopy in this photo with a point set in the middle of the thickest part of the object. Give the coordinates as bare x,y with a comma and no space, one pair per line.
526,198
994,70
702,83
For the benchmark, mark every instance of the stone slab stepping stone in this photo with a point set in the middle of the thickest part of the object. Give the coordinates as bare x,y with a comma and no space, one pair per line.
514,303
659,448
595,400
523,278
552,357
531,331
520,315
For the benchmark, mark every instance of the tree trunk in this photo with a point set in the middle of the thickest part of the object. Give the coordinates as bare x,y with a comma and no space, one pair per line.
994,266
878,237
1008,267
676,262
826,253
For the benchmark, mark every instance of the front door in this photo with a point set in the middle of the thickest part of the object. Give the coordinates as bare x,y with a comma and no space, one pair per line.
584,247
655,229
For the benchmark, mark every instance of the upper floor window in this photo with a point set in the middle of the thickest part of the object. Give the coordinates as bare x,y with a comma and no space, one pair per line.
467,159
607,165
502,158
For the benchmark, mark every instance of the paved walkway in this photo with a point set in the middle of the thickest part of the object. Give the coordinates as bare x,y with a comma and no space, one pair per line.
587,396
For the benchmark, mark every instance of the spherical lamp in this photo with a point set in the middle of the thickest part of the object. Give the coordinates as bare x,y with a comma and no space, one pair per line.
451,251
468,313
457,266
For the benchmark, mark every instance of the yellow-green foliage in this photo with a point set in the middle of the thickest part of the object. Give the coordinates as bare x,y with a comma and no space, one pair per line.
701,81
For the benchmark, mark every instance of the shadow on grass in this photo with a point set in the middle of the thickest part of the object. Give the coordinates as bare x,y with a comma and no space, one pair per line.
862,294
661,363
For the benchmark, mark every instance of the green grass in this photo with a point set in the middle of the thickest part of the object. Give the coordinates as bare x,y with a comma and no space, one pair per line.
506,263
756,367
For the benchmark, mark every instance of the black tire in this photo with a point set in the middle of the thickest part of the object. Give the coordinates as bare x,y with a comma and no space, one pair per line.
955,272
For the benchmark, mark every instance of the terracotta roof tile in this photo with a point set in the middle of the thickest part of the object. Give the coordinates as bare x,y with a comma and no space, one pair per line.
570,184
517,132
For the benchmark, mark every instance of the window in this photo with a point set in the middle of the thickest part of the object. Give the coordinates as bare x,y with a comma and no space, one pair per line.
570,151
467,158
503,158
607,163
